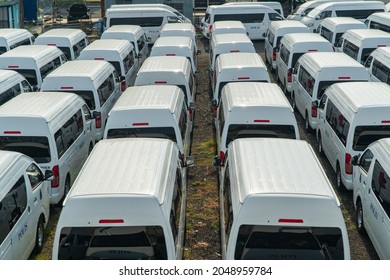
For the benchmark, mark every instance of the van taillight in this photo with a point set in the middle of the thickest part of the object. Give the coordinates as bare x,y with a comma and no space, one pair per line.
211,27
314,111
56,174
215,110
289,76
123,85
348,165
191,113
274,55
98,120
222,157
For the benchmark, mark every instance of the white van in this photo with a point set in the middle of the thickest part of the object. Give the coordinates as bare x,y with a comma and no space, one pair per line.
255,18
169,70
371,197
359,10
253,109
228,43
334,27
276,203
134,34
33,62
70,41
275,32
237,67
177,46
378,65
54,129
12,84
180,29
120,53
151,19
227,27
151,112
379,21
351,116
359,43
24,206
314,73
292,47
95,81
182,17
305,8
11,38
273,5
142,187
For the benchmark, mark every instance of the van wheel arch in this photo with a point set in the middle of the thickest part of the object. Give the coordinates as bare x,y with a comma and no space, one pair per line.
39,235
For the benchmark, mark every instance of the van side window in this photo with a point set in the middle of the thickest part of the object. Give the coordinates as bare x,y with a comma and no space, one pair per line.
244,18
128,61
106,89
275,16
365,160
284,54
141,42
380,186
183,121
49,67
176,206
306,80
12,207
350,49
337,122
78,47
86,113
323,102
227,204
221,118
357,14
381,71
34,175
271,38
326,33
9,93
367,63
380,26
295,68
68,133
24,42
325,14
141,21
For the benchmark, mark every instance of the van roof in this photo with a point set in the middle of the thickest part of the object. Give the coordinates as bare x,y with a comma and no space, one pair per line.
173,42
35,52
320,60
240,59
294,38
74,35
39,104
107,45
140,9
361,34
355,95
142,168
7,158
380,15
277,166
248,94
382,146
124,28
231,38
228,24
9,74
12,32
331,21
150,97
286,23
165,64
178,26
81,68
384,54
368,4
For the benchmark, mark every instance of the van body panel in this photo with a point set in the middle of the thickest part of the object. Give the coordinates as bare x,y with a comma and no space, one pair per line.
378,65
12,84
379,21
142,197
264,173
11,38
227,27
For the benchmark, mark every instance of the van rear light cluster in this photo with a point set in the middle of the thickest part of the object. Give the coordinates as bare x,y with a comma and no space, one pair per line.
211,27
295,221
222,157
274,55
111,221
56,174
12,132
98,120
123,85
289,76
348,165
314,111
216,110
191,113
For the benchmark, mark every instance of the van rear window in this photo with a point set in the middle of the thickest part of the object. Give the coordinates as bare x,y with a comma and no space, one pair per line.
244,18
35,147
66,52
365,135
144,132
29,74
87,95
112,243
237,131
289,243
141,21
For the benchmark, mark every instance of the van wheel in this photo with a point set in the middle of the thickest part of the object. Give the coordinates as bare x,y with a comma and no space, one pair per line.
66,189
307,125
40,236
293,104
320,151
285,87
90,148
339,183
359,218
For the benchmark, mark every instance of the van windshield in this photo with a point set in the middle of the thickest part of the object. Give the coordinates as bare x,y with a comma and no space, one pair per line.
66,52
36,147
112,243
29,74
87,95
237,131
143,132
365,135
141,21
289,243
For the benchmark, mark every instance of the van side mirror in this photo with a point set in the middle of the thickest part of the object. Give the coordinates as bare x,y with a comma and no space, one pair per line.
192,105
190,161
95,115
198,52
355,160
214,103
196,74
148,39
35,88
265,34
206,49
122,78
217,161
49,175
315,103
211,72
276,49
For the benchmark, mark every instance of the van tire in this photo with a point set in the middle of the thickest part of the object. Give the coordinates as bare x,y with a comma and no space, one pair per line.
307,125
293,104
285,87
359,218
339,183
39,236
320,150
66,189
90,148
